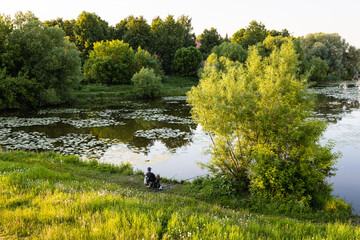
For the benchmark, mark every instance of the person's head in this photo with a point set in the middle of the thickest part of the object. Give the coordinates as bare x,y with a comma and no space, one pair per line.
149,169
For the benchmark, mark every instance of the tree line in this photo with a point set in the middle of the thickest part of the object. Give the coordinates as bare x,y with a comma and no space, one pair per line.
41,62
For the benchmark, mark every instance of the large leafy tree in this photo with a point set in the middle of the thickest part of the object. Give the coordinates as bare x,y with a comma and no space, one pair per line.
137,32
258,115
44,55
209,39
90,28
171,35
6,27
342,59
67,25
254,33
111,62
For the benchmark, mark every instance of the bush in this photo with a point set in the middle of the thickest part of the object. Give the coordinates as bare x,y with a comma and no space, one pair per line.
147,83
187,61
111,62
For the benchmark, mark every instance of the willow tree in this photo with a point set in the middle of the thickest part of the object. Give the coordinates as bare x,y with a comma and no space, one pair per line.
259,116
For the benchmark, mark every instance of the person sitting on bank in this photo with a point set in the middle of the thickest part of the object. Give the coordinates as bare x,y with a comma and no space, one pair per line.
150,178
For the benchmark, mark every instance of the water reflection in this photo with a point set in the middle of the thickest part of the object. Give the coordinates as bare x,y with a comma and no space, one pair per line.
91,132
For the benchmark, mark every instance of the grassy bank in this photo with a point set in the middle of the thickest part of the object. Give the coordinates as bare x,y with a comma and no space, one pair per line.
103,94
48,196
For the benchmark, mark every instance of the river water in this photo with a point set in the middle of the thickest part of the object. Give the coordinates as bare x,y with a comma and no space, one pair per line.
160,134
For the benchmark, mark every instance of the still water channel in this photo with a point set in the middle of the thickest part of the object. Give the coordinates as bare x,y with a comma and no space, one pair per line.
161,134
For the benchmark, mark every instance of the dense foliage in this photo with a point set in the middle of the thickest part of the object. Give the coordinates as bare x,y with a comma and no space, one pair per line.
341,58
232,51
42,59
147,83
137,32
171,35
158,42
115,62
209,39
89,28
259,114
111,62
187,61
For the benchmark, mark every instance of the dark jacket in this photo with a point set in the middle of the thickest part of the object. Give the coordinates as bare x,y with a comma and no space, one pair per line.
150,176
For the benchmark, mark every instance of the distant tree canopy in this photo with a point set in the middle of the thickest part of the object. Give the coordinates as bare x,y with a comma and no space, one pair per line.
136,32
209,39
341,58
89,28
232,51
171,35
40,57
251,35
68,26
43,58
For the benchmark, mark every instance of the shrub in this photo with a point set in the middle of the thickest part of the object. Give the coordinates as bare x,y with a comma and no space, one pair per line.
187,61
147,83
111,62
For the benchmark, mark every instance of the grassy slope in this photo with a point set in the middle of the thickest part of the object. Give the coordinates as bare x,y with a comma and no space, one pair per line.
47,196
89,94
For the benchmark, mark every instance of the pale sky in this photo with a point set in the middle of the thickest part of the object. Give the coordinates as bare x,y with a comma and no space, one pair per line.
227,16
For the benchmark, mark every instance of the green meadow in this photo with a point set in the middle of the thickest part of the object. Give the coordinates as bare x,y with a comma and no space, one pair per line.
49,196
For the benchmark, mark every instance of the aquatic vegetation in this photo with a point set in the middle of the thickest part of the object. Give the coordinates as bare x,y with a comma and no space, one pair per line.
26,122
163,133
88,123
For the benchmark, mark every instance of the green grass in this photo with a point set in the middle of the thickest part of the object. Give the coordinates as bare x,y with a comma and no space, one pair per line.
48,196
110,95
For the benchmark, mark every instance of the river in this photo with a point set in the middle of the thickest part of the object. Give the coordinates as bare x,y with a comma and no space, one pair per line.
160,134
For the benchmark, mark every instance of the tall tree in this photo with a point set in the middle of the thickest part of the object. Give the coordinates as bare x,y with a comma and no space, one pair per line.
89,28
254,33
171,35
67,25
137,32
44,54
6,27
209,39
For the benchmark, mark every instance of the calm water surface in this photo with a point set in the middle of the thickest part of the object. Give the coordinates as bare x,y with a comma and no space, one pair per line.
161,134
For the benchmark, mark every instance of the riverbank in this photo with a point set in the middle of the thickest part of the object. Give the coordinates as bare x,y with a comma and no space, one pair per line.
88,95
49,196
